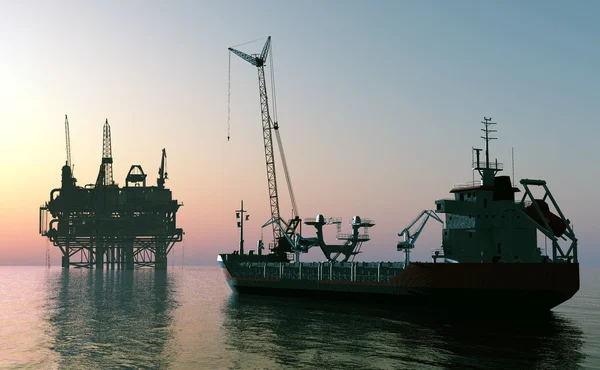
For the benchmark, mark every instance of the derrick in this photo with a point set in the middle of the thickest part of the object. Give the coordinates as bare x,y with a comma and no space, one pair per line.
281,237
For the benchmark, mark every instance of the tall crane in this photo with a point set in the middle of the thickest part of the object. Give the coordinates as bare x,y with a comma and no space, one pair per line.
162,171
268,125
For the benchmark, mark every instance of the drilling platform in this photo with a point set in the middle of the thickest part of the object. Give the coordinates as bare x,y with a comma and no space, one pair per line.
104,224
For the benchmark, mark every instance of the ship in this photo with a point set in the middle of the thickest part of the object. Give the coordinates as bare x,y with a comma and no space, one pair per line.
489,258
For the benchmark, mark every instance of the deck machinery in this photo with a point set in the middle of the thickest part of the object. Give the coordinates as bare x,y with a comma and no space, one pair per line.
104,224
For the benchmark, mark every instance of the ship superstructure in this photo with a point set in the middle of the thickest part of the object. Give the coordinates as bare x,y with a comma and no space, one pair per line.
489,255
484,223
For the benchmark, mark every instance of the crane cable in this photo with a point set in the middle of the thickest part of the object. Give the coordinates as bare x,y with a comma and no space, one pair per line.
273,85
229,99
229,89
278,137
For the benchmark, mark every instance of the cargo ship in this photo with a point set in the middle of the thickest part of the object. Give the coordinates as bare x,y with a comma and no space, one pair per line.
489,257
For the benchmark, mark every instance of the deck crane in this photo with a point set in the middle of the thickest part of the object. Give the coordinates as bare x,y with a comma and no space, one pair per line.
68,180
410,239
162,171
68,142
281,242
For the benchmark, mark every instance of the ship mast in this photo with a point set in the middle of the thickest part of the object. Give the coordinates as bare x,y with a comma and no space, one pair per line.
487,123
239,213
486,170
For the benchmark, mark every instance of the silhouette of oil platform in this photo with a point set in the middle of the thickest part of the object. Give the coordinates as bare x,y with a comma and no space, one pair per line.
104,224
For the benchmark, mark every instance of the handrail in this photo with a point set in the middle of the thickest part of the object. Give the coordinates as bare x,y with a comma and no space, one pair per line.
362,221
440,252
469,184
343,236
329,220
492,165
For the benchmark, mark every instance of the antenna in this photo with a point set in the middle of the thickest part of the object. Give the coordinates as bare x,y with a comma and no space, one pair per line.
473,161
513,165
240,214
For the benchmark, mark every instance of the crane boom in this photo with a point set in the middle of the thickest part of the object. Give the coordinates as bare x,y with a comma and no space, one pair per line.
409,240
162,171
267,126
255,60
68,143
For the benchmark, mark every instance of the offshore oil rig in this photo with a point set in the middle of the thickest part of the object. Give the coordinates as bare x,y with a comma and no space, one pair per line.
104,224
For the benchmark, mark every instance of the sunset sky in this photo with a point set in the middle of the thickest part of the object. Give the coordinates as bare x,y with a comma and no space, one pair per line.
379,104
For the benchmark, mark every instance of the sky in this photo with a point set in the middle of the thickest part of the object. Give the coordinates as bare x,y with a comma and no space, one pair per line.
379,104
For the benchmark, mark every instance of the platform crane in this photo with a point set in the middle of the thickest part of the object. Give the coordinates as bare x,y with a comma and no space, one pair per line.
268,126
410,239
68,181
68,143
162,171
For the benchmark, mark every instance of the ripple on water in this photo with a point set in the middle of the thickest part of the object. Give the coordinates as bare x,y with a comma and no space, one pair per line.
187,318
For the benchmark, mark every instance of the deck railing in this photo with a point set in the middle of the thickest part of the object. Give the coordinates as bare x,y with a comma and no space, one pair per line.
319,271
469,184
329,220
492,165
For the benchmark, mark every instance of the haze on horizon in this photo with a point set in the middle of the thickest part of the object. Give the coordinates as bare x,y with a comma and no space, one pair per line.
379,105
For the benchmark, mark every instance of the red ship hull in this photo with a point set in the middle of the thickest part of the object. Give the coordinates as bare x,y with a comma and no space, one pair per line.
504,286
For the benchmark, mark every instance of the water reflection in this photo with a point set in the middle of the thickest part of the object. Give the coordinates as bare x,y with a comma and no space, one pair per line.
293,333
111,318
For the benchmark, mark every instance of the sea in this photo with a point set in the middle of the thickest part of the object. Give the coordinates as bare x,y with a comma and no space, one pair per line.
188,318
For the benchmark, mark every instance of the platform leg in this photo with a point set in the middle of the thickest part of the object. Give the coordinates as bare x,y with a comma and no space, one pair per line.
160,257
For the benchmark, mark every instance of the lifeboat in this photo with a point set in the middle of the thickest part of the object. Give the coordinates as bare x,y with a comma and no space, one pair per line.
556,223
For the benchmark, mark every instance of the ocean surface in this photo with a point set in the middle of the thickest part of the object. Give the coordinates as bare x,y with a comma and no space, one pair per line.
187,318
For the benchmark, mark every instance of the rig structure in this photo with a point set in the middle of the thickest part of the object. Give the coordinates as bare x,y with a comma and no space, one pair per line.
104,224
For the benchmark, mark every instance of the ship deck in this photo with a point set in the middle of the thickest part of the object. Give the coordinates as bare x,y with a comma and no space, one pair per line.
505,286
325,271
